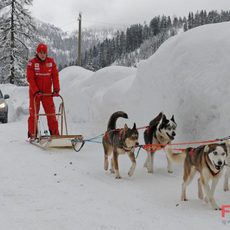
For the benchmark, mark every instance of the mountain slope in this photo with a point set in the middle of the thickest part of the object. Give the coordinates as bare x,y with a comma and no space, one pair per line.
63,45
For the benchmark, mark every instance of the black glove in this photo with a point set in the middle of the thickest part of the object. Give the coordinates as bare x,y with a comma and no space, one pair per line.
55,93
38,94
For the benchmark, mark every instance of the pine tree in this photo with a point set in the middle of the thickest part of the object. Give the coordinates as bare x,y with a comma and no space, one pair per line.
197,19
163,22
129,38
155,25
123,42
175,22
146,32
190,21
16,27
185,26
169,22
117,46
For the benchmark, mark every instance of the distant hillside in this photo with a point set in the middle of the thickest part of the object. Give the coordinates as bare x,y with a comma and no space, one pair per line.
115,46
139,42
63,46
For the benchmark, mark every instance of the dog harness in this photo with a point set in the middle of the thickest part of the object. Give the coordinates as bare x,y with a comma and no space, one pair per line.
123,145
153,148
192,152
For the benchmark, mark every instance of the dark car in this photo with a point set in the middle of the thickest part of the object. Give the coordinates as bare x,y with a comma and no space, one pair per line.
3,108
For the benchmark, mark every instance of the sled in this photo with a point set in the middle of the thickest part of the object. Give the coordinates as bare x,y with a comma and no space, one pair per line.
51,141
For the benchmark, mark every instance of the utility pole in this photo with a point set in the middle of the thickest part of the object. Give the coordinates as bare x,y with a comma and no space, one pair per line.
79,40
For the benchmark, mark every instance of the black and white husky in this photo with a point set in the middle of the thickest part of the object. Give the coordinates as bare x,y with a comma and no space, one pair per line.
160,131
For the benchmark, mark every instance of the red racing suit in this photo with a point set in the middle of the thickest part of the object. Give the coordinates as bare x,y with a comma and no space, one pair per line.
42,76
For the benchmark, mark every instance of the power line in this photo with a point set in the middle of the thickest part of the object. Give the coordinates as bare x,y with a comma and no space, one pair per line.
70,23
96,22
107,23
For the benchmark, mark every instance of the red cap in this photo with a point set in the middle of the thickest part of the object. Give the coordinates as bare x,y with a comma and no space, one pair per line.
42,48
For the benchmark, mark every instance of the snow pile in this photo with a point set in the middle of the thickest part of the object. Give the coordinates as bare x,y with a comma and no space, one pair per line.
18,101
189,77
93,97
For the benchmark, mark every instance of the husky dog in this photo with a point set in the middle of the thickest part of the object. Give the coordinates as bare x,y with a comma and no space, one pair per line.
119,141
209,161
227,172
160,131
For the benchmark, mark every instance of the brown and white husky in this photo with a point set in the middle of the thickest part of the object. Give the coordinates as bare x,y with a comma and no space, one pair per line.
209,161
119,141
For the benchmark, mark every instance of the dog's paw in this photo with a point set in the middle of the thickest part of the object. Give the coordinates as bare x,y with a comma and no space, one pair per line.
170,168
131,170
106,166
118,177
150,170
130,173
217,208
112,171
183,198
226,188
200,196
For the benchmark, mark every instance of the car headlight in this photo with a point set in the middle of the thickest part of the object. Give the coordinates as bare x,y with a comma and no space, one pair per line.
3,105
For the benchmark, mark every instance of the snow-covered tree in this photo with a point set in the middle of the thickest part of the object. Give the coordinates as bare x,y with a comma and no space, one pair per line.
16,27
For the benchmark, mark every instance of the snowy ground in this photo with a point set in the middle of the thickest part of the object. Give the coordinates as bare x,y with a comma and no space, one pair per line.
62,189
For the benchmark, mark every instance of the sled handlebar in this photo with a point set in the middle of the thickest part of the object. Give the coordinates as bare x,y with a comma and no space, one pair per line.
48,95
39,95
61,112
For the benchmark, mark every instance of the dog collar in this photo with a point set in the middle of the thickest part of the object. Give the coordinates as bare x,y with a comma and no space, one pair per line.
127,149
159,136
212,172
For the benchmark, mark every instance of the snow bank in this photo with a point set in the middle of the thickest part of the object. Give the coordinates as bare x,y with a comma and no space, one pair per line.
189,77
18,101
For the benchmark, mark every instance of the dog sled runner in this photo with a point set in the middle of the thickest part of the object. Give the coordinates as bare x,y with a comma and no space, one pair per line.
51,141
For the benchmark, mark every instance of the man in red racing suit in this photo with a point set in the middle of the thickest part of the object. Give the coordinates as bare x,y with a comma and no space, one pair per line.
42,76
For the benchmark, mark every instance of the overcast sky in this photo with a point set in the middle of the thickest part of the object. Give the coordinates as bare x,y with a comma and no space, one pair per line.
64,13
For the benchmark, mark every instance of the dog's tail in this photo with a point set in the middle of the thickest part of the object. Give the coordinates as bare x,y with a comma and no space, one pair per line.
113,119
175,157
